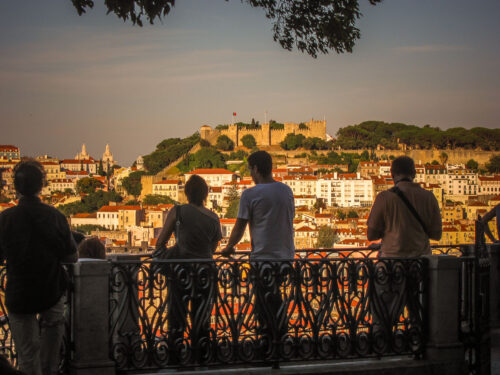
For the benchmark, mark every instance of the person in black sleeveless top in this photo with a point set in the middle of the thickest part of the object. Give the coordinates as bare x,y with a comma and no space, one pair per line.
197,233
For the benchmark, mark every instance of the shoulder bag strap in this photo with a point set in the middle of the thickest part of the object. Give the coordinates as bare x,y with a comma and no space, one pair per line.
178,222
407,203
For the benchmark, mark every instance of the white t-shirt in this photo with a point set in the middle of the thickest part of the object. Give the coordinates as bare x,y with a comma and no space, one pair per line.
269,209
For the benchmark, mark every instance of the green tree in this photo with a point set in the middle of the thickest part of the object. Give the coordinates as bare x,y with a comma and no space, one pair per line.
248,141
168,151
90,203
87,185
352,214
314,143
88,228
132,183
340,215
154,199
207,157
68,191
238,155
310,26
234,203
472,164
326,237
132,202
292,141
365,156
493,166
100,170
224,143
443,157
319,204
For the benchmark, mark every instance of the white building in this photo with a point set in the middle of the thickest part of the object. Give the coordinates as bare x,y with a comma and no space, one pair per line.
213,177
489,185
461,182
80,165
61,184
77,220
169,188
345,190
301,184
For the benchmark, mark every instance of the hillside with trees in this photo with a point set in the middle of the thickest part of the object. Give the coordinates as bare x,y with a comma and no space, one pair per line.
370,134
169,150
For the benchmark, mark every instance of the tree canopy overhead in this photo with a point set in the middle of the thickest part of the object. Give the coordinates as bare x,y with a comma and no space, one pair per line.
311,26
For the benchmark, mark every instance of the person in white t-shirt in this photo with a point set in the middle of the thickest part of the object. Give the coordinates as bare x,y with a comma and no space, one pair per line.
269,209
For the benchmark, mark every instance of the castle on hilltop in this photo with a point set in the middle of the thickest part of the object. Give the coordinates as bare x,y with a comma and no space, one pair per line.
264,135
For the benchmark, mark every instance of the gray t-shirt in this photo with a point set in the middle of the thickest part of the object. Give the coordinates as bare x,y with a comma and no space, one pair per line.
269,209
198,232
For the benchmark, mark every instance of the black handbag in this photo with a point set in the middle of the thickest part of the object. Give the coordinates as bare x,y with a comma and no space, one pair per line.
174,252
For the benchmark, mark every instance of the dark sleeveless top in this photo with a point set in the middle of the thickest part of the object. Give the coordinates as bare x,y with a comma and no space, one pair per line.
197,233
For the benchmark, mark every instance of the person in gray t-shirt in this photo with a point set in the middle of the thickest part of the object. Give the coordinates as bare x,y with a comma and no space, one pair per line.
269,209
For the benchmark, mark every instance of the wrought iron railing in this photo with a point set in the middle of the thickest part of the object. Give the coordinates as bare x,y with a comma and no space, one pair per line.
189,313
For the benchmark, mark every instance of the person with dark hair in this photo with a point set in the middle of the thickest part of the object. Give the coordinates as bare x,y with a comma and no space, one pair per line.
406,216
197,233
268,208
34,239
91,248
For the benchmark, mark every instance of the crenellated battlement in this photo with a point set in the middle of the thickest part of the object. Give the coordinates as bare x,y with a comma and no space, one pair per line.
264,135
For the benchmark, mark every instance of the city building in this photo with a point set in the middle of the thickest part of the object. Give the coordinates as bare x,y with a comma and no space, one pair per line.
214,177
9,152
169,188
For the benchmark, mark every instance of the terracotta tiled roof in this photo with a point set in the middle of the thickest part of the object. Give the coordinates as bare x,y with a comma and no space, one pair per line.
211,171
84,216
167,182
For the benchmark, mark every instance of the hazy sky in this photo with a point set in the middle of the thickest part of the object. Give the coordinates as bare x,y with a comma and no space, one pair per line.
65,79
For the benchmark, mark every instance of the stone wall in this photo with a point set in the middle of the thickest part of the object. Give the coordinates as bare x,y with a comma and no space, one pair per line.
264,136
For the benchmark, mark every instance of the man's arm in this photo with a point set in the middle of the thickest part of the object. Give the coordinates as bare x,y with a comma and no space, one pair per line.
376,220
68,252
436,229
235,237
374,234
168,229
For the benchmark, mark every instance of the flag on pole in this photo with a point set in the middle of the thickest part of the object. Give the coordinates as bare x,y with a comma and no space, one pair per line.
234,113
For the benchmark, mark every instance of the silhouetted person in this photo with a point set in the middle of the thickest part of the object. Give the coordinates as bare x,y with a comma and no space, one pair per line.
405,217
34,239
392,220
268,208
197,231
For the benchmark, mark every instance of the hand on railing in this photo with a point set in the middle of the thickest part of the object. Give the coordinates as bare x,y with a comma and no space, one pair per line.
227,251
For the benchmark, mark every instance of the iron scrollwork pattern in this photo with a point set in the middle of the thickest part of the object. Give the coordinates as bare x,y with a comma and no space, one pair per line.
190,313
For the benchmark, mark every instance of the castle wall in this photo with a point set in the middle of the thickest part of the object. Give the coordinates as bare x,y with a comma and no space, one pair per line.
265,136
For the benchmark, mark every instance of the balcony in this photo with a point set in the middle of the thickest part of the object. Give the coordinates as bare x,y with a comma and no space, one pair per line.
341,309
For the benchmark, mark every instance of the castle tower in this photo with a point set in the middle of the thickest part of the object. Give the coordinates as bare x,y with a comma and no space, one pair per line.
266,134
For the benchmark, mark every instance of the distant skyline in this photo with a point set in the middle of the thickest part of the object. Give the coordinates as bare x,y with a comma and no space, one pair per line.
67,80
